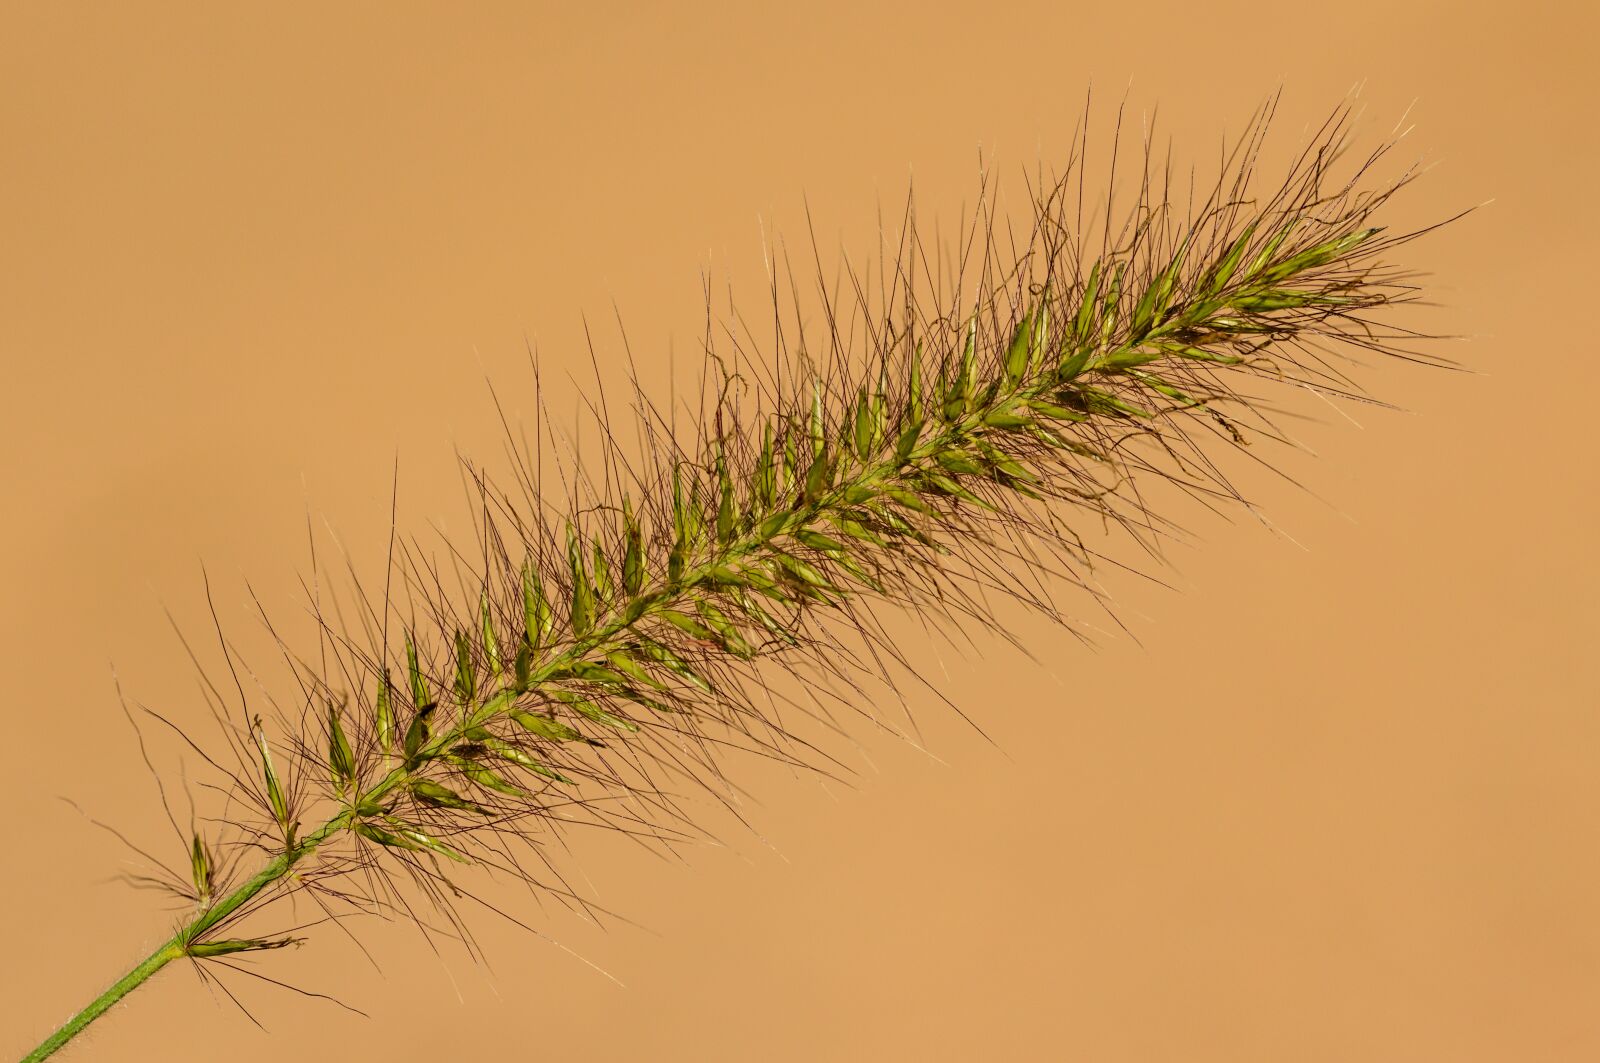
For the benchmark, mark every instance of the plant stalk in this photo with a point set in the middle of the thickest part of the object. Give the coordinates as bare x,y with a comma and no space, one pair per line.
158,959
178,944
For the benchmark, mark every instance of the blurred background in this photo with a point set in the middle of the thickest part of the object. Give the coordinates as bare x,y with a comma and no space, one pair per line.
1332,797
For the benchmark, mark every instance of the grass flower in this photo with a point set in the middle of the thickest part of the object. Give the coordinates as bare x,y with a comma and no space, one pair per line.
931,440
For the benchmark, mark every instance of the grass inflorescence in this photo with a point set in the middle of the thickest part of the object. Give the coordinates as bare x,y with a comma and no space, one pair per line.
958,419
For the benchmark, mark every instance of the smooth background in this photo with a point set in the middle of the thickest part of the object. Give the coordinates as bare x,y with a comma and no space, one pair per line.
1338,803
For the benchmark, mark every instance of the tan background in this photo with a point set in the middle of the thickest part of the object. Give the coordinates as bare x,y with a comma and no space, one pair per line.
1341,804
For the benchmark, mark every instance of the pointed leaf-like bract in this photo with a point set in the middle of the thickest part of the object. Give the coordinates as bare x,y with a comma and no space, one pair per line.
1088,307
431,793
418,732
819,478
1152,305
341,759
200,869
275,798
406,837
622,662
585,707
202,950
546,727
861,427
726,632
522,667
727,517
819,431
1016,359
633,554
765,475
688,625
419,683
490,779
491,641
914,385
603,587
677,558
383,714
1219,275
673,663
466,671
582,605
536,612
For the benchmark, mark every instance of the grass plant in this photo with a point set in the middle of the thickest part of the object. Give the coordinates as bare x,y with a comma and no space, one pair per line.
934,439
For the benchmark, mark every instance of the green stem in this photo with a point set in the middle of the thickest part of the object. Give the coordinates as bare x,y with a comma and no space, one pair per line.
180,942
125,985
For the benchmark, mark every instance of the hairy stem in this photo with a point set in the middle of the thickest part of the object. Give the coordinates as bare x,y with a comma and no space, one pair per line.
158,959
182,943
